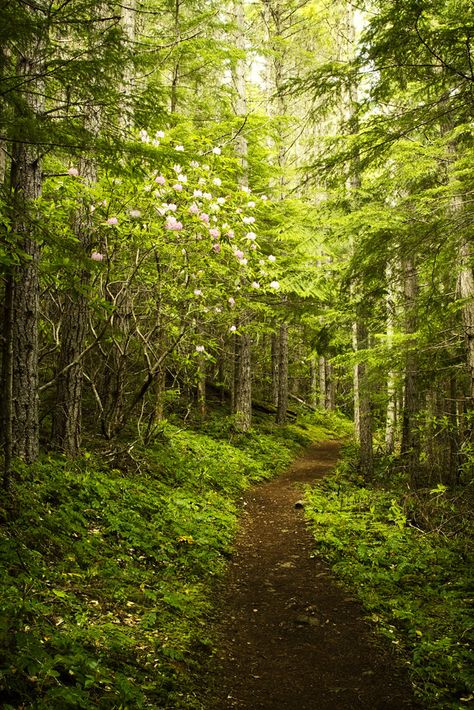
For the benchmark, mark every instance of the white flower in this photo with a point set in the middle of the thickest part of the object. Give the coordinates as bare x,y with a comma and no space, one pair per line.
251,204
255,284
264,198
200,348
221,200
160,134
275,285
179,148
73,172
206,167
182,178
217,150
248,220
193,164
217,182
197,292
135,214
271,258
251,236
233,328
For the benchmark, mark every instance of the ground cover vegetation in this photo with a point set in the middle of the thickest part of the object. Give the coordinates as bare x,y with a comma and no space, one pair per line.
108,573
262,204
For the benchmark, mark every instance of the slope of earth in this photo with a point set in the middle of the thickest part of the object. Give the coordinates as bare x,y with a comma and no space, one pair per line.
289,637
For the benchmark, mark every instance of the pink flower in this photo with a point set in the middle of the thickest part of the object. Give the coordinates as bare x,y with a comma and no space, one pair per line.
251,204
194,209
248,220
214,232
173,224
112,221
230,234
233,328
251,236
216,247
244,262
239,254
207,196
253,246
160,134
160,179
135,214
197,292
73,172
255,284
197,193
178,187
275,285
204,217
97,256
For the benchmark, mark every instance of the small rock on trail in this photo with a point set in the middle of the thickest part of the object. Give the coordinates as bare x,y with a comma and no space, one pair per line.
290,638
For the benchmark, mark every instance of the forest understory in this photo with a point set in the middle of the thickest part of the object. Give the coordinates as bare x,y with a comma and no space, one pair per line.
230,230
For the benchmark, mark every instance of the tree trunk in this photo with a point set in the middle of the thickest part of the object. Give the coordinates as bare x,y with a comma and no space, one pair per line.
275,367
362,387
20,359
282,405
323,394
410,445
243,383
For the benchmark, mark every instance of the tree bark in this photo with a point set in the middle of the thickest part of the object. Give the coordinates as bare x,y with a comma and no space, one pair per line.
243,384
282,405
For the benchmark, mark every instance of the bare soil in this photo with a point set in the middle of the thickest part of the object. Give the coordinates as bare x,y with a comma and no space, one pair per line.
290,637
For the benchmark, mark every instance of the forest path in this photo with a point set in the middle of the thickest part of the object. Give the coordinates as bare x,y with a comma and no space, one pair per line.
290,638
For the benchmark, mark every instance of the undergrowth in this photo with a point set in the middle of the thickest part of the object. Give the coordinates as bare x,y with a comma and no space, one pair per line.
107,570
417,583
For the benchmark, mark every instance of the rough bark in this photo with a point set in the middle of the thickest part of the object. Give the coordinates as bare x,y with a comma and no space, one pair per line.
20,359
275,367
243,384
282,405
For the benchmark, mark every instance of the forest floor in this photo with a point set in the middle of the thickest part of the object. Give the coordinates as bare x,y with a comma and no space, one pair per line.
289,637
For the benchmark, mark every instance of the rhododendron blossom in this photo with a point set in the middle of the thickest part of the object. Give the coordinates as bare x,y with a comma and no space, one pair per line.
255,284
112,221
251,204
135,213
178,187
214,232
160,179
197,292
97,256
217,150
233,328
239,254
248,220
271,258
173,224
160,134
231,301
73,172
207,196
221,200
251,236
197,193
200,348
193,164
182,178
194,209
204,217
179,148
230,234
216,247
274,284
217,182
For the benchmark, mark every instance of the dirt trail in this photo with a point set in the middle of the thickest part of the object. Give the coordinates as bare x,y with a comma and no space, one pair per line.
291,639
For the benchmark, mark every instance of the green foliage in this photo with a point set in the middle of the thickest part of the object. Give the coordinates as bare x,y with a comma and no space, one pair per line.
107,572
416,583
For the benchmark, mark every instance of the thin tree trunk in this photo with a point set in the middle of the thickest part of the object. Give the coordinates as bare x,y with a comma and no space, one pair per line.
275,343
322,382
282,405
410,445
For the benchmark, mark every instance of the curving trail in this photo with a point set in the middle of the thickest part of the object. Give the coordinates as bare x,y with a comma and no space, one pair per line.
290,638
